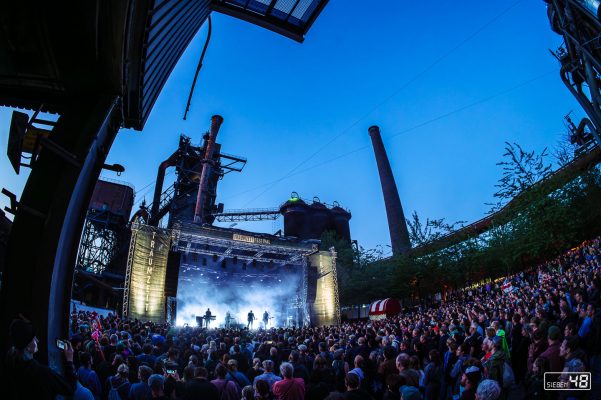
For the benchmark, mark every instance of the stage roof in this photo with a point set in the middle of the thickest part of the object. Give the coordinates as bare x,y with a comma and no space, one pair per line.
291,18
63,52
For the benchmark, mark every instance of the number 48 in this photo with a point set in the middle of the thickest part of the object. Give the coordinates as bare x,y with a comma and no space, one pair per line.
579,381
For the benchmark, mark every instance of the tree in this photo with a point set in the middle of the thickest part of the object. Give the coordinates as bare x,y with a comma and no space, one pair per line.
433,229
355,266
521,170
540,223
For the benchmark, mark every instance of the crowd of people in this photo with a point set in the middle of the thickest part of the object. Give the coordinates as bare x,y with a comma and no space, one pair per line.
487,342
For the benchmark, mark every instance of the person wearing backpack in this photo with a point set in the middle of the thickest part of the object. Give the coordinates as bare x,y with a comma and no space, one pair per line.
340,368
227,389
118,385
498,368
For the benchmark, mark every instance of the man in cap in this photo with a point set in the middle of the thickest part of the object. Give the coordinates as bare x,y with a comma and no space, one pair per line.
25,376
552,352
470,380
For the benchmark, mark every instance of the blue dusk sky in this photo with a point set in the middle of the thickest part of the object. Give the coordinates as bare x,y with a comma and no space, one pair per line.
447,82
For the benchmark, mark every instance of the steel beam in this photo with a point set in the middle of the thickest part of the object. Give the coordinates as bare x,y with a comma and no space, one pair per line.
43,246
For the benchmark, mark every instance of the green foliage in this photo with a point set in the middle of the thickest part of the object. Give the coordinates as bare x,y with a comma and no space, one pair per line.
521,170
433,229
541,225
355,266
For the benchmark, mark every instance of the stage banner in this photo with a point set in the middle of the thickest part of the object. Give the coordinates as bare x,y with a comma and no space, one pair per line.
325,310
147,267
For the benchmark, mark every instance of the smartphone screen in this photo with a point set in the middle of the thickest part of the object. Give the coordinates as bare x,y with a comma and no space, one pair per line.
60,344
171,371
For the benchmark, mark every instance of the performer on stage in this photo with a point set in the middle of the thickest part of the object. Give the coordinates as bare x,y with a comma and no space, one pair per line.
228,320
265,319
251,318
208,315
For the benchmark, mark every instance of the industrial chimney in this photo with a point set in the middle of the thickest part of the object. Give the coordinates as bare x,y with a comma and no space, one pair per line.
207,166
399,235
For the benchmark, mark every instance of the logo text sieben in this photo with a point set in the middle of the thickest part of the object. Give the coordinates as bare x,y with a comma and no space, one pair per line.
567,381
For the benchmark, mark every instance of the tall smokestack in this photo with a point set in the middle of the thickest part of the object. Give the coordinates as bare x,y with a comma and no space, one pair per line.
399,235
207,167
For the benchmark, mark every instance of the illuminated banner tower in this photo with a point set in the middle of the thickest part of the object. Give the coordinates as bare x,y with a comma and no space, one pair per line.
325,309
144,296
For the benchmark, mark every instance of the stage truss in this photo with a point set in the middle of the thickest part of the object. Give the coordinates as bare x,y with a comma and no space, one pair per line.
226,244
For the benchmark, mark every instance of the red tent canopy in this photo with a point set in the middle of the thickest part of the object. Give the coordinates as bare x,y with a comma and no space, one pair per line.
384,309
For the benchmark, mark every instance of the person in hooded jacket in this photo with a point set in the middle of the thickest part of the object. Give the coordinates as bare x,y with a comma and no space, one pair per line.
26,378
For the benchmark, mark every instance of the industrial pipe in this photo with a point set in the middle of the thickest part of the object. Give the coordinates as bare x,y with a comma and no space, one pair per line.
142,213
158,187
207,167
397,226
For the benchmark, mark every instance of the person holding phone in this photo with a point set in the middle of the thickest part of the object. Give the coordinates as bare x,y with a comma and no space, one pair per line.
25,377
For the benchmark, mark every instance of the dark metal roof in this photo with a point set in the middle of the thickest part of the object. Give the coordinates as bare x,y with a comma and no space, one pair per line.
291,18
61,52
164,31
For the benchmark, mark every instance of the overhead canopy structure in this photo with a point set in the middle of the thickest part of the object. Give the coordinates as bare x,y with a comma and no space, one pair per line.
291,18
61,51
382,309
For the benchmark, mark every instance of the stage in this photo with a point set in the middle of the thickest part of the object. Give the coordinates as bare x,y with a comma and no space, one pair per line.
227,270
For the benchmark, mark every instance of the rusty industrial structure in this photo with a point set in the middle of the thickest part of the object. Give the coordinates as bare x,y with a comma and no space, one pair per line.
198,169
102,255
190,205
188,209
100,66
193,195
580,58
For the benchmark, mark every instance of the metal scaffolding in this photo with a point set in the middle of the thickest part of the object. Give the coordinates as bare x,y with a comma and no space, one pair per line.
255,214
334,256
99,244
305,304
580,56
130,258
207,241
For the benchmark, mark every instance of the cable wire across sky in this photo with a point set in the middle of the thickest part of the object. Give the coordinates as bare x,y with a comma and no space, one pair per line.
518,86
413,79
